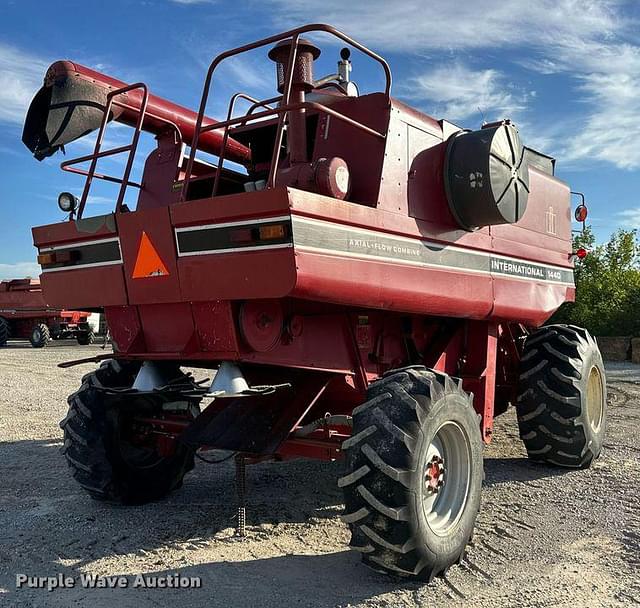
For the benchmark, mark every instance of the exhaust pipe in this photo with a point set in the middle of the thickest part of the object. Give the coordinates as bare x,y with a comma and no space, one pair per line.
72,101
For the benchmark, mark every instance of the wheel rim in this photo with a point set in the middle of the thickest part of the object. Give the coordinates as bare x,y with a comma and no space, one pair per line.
446,478
36,335
595,398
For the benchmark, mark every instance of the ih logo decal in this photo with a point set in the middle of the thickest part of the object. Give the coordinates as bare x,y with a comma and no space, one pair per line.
550,221
148,262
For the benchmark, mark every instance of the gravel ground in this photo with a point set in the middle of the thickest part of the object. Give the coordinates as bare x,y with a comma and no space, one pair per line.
545,537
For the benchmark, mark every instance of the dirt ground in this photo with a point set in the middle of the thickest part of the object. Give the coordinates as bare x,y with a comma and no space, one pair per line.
545,537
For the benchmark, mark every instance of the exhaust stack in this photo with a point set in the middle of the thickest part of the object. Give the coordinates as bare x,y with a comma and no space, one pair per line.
71,104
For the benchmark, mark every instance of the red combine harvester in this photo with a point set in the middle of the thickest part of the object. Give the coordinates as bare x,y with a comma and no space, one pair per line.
25,314
367,282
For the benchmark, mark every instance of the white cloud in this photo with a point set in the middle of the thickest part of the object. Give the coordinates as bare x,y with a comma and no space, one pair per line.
19,270
457,92
609,81
254,74
415,25
585,41
21,76
630,217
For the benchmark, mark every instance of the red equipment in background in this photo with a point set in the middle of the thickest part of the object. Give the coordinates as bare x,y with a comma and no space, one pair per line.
25,314
367,283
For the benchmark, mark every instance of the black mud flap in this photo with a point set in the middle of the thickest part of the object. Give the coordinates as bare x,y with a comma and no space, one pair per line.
255,424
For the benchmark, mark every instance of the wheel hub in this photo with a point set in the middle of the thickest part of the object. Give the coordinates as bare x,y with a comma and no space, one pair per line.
448,459
595,398
434,475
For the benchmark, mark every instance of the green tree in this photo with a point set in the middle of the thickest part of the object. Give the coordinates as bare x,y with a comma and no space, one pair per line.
607,286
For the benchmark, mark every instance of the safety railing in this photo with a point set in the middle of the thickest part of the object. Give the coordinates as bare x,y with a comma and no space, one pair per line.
232,104
97,153
285,105
131,148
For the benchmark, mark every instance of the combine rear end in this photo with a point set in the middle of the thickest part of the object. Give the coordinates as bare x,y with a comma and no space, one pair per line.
24,314
366,281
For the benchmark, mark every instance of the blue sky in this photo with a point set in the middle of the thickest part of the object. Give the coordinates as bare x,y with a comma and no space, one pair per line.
566,71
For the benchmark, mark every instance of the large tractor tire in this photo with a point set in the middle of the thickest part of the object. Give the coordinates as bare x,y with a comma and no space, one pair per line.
562,397
85,338
413,473
40,336
4,331
105,458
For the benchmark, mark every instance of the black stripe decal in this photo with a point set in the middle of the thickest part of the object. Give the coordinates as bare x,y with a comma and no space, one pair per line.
218,239
88,254
318,235
325,236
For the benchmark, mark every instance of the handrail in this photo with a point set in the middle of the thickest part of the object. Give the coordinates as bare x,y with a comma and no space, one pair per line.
133,145
294,35
264,104
311,105
124,181
108,178
225,137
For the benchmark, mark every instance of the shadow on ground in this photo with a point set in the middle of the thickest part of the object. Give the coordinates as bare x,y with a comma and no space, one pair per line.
52,522
508,470
66,343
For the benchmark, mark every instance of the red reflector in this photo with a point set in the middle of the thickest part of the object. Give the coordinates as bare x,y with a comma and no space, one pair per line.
581,213
581,253
241,235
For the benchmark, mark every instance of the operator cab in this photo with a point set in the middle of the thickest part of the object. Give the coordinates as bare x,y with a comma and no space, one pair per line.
287,139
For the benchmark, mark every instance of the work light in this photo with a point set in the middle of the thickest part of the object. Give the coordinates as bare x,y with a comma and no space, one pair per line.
67,202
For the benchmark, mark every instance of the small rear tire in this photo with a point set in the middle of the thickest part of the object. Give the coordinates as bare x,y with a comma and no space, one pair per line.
85,338
98,447
40,335
4,331
562,397
413,474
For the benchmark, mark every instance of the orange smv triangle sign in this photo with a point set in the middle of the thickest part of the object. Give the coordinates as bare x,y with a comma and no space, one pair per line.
148,262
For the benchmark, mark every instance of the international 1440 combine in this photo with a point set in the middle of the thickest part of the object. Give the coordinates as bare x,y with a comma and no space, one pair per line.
369,284
25,314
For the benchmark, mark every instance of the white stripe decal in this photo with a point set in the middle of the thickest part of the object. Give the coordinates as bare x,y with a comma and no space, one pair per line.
369,244
78,266
329,238
235,250
377,258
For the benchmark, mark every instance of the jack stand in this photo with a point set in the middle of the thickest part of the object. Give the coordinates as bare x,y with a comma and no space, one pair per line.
241,488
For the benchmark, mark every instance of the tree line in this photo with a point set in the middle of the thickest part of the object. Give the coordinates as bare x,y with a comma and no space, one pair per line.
607,286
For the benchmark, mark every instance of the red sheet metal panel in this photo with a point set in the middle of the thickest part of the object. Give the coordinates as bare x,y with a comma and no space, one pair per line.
21,297
379,284
150,286
215,326
89,282
126,330
219,275
238,276
544,232
98,227
167,327
528,302
231,208
85,288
